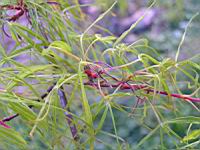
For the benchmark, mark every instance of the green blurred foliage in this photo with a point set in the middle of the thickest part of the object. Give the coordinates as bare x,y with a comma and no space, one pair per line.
54,45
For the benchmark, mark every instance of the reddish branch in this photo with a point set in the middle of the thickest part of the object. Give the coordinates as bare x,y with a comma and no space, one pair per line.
4,125
94,71
2,122
20,7
134,87
185,97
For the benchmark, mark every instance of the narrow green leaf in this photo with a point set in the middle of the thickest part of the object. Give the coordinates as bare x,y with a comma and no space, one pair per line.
100,125
2,51
183,37
86,106
13,33
26,113
189,119
12,137
147,137
192,136
114,125
30,32
61,45
132,26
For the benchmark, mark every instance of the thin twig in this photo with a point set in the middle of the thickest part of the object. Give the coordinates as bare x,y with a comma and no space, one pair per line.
144,87
2,122
63,103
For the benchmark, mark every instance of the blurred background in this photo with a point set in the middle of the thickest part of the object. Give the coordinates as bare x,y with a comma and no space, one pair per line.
163,26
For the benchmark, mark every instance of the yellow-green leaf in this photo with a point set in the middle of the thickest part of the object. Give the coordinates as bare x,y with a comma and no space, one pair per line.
192,136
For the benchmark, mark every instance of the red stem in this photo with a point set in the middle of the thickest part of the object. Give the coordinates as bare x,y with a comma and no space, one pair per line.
145,88
4,125
185,97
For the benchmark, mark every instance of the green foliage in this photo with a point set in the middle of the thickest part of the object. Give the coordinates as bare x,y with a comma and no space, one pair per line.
10,136
57,48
